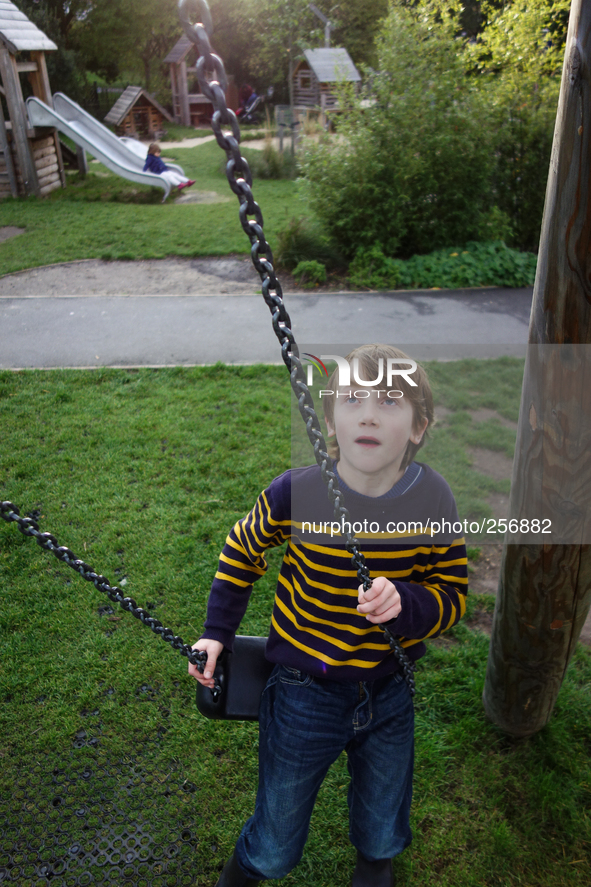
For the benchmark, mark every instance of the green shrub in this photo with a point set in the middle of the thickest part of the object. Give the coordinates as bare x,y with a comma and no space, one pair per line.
308,274
271,163
302,240
410,169
523,117
517,61
479,264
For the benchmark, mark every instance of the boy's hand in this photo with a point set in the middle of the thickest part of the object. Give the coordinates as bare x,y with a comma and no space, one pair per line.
381,602
213,650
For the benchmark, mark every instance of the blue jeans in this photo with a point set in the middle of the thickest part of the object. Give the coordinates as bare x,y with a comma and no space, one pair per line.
305,723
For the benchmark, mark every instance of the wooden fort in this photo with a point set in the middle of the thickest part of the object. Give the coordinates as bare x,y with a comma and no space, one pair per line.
191,108
30,158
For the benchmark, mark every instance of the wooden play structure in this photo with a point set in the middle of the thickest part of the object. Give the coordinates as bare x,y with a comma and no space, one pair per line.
191,108
30,158
315,77
136,113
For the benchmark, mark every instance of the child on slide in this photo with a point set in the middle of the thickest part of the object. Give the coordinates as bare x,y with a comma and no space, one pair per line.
156,165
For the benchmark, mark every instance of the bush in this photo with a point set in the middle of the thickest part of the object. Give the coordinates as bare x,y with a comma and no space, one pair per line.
517,61
523,118
271,163
410,168
304,241
308,274
479,264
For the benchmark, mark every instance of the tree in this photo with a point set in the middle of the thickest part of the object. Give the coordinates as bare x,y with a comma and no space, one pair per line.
128,38
517,62
65,67
256,39
410,172
355,26
58,15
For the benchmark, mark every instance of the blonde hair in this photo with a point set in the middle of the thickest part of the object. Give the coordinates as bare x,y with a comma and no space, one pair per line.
421,396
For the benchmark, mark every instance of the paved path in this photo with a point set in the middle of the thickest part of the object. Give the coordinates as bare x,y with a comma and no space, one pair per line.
185,312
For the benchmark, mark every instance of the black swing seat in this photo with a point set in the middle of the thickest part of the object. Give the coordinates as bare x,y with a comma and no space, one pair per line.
242,676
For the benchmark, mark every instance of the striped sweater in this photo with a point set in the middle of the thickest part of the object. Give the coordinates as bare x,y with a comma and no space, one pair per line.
315,625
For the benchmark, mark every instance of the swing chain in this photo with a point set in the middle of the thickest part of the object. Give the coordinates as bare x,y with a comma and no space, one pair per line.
240,180
29,527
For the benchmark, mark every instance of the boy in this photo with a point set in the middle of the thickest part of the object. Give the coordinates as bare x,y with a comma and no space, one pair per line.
336,685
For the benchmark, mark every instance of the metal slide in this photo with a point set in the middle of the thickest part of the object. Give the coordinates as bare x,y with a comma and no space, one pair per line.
95,138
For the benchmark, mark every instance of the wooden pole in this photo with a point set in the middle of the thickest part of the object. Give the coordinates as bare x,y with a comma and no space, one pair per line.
39,80
18,118
545,590
5,151
184,94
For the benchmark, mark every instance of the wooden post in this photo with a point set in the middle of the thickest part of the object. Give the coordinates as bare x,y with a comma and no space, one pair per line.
5,151
40,80
18,117
184,94
82,161
40,84
545,590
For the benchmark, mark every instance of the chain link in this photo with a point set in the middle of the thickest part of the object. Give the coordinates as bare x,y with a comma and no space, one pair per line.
29,527
210,66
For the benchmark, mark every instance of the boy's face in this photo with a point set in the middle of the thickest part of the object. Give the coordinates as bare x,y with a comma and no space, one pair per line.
373,432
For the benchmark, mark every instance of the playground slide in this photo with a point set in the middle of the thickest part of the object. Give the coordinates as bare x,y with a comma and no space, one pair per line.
72,120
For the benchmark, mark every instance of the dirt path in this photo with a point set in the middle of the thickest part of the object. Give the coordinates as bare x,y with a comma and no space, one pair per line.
230,275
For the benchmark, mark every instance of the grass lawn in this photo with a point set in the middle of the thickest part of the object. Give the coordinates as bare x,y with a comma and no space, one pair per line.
107,217
142,473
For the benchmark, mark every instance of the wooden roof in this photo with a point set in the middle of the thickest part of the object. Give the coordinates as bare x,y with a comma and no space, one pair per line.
179,50
18,33
127,100
332,65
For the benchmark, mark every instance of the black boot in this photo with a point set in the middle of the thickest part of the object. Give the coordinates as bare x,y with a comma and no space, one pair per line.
372,874
233,876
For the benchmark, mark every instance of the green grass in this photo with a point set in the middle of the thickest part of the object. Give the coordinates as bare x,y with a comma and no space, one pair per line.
107,217
142,473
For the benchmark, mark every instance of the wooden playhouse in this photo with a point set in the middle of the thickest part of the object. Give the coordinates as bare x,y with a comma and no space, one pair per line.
30,158
316,76
137,114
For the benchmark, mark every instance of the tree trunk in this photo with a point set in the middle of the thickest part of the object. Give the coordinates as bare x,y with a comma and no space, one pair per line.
545,589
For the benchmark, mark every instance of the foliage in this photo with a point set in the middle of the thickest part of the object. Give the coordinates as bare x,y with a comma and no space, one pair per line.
524,124
66,68
479,264
355,26
410,168
270,163
309,274
129,38
447,141
522,37
257,37
518,62
237,35
303,240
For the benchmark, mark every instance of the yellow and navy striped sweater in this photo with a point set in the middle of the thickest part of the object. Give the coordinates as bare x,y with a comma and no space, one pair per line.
315,625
